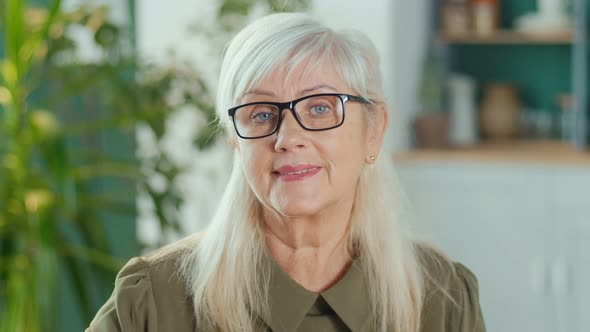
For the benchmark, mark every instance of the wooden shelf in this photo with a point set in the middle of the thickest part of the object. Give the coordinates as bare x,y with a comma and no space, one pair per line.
519,152
508,37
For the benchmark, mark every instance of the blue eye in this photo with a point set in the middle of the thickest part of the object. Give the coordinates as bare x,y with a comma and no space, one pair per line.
320,109
263,116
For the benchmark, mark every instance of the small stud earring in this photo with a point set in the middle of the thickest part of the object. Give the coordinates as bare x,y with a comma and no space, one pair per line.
372,158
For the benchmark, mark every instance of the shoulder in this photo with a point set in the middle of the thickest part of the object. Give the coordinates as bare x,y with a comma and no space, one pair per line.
451,295
149,293
160,266
166,259
437,267
440,271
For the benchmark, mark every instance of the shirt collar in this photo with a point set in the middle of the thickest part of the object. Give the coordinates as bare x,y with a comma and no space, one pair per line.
289,302
349,298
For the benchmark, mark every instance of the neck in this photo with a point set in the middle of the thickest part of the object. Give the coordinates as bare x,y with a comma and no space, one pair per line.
313,251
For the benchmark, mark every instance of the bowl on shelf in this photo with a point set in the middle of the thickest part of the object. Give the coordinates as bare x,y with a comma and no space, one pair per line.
539,25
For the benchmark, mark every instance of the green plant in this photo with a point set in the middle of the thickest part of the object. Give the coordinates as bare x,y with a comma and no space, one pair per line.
61,175
430,90
54,171
45,182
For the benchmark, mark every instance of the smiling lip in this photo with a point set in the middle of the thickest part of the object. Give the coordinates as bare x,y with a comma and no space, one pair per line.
296,173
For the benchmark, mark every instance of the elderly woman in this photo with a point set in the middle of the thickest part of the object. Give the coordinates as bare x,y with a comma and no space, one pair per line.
310,233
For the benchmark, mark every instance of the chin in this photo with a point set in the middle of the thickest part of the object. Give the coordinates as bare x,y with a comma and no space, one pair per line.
299,208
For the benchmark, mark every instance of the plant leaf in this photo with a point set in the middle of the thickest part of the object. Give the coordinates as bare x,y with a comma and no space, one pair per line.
75,272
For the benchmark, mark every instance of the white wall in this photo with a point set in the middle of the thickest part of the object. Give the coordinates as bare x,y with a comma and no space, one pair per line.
410,38
162,27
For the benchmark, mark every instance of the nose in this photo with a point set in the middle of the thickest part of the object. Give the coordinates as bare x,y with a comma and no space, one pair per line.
290,135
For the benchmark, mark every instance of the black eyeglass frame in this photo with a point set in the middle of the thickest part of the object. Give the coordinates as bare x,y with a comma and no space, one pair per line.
291,106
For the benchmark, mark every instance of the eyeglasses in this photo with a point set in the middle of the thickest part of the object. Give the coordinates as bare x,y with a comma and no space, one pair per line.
315,112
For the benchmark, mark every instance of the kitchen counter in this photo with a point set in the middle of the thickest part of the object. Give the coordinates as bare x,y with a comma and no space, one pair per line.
537,152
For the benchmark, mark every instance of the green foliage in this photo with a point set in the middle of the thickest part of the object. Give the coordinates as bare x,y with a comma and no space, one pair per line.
48,174
54,112
30,203
430,91
242,7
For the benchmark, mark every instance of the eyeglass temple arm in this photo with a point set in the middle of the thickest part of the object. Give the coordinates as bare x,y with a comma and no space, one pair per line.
360,99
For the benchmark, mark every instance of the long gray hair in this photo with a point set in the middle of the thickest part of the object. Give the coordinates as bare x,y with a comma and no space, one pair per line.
227,272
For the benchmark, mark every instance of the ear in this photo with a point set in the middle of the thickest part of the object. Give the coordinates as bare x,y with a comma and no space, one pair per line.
376,134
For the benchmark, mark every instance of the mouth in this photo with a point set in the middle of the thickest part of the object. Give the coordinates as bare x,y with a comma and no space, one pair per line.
290,173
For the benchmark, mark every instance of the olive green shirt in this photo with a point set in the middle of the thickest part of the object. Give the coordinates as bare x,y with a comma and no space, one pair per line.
150,296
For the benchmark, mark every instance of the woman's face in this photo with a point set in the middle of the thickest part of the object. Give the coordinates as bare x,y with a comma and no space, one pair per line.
301,173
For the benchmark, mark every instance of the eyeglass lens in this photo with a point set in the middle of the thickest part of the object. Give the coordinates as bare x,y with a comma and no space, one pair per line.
319,112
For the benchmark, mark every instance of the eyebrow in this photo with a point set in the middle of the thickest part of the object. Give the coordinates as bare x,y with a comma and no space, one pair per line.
317,87
301,93
260,92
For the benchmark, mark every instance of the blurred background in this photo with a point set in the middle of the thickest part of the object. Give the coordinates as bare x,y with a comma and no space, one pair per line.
109,149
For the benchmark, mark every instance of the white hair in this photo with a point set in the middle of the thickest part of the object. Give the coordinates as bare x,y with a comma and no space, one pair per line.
227,273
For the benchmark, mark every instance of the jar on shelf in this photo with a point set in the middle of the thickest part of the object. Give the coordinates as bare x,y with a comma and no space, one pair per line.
500,112
485,16
456,18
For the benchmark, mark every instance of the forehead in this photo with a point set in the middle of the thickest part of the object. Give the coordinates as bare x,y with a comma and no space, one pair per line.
305,78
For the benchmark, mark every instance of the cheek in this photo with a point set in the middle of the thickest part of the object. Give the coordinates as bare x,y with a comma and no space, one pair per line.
354,140
347,155
256,165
